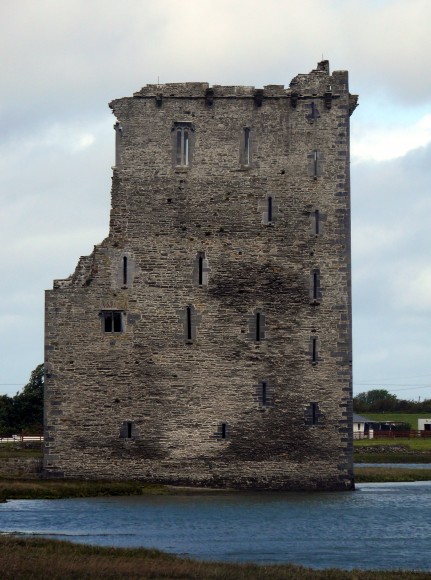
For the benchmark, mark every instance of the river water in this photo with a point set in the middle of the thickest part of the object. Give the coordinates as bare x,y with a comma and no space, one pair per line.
380,526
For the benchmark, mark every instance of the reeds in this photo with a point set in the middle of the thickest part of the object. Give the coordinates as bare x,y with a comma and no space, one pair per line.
49,559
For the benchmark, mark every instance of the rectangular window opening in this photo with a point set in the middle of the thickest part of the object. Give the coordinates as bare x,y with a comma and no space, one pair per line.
125,270
314,350
223,430
314,413
264,394
112,321
315,163
246,146
201,269
257,326
185,147
189,323
269,209
129,430
179,146
117,321
315,285
317,222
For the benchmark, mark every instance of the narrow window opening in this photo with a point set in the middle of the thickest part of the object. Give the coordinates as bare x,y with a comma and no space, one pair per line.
186,146
317,222
314,410
189,323
201,269
270,209
314,350
246,146
223,430
315,285
125,270
182,145
264,394
129,430
315,163
257,327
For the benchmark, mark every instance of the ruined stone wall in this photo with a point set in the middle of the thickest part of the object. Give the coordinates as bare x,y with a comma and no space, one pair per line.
229,273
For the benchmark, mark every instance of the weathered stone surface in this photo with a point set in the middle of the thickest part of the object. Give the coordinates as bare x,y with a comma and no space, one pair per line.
177,396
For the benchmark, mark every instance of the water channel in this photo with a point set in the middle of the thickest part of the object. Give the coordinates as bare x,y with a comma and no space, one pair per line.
379,526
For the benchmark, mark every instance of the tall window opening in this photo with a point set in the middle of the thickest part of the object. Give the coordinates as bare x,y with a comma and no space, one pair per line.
258,324
112,321
314,350
313,415
246,150
182,142
269,209
264,394
315,163
125,270
317,222
182,146
129,429
223,430
314,411
315,285
200,270
189,322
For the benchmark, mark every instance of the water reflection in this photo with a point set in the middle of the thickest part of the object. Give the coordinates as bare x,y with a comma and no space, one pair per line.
378,526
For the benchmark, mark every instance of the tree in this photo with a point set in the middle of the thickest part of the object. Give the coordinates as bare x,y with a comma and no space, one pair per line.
24,411
375,400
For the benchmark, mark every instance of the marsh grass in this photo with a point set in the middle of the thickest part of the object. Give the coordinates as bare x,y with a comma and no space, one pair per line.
390,474
59,489
49,559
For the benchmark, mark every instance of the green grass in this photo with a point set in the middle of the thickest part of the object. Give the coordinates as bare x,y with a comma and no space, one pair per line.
19,488
410,444
400,450
410,418
13,450
40,559
385,475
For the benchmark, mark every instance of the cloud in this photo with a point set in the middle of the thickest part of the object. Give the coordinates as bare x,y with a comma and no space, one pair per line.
385,142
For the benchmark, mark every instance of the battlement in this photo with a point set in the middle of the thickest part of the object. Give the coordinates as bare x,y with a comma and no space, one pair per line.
316,83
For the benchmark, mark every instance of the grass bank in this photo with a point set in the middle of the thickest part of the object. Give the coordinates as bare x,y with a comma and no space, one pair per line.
402,450
18,450
59,489
386,475
48,559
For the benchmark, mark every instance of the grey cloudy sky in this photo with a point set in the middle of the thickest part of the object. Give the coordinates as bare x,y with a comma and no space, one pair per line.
63,61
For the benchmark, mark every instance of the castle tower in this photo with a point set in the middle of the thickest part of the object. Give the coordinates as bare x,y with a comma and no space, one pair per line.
207,340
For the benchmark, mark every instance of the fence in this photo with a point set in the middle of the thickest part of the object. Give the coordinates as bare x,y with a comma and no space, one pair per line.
386,434
23,437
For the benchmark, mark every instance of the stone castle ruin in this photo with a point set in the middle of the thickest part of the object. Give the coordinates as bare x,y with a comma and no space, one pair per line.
207,340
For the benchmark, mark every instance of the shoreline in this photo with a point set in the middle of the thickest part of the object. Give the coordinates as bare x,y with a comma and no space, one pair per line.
35,488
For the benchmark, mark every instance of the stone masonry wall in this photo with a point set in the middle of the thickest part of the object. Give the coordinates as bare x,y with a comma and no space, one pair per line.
239,375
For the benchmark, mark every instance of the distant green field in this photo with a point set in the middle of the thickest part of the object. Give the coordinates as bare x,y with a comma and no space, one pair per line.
410,418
